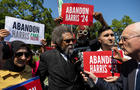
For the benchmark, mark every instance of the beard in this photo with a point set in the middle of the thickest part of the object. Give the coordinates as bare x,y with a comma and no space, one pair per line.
82,42
68,50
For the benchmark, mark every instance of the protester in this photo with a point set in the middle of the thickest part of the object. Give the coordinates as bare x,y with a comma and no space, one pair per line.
129,76
107,40
56,63
18,68
82,36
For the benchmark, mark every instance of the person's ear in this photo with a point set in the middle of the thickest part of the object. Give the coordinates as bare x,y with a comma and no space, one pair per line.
99,40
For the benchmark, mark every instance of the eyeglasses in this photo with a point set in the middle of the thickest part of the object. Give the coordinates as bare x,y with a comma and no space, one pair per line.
84,32
69,40
19,54
123,38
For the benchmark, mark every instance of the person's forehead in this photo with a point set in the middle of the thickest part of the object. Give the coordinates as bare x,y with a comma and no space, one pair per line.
22,50
129,32
67,35
107,32
132,29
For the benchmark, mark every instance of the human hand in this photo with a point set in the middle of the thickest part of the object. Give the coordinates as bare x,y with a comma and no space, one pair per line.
4,33
91,75
98,16
117,53
111,78
43,42
58,20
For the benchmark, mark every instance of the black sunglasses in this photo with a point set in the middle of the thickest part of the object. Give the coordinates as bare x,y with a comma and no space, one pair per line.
69,40
19,54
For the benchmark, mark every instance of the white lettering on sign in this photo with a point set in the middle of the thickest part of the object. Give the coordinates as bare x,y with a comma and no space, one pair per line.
77,10
98,68
33,88
100,60
84,18
71,17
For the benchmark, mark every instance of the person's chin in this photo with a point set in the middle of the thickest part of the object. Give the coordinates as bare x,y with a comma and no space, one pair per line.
111,44
20,64
70,51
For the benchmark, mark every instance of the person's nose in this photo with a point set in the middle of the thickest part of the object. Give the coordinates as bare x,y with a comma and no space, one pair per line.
120,43
71,42
110,37
23,57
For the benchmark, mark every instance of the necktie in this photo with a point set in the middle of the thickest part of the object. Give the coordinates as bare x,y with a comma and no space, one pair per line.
138,79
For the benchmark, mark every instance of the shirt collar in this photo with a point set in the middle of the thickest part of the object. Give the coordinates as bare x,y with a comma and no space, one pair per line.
64,56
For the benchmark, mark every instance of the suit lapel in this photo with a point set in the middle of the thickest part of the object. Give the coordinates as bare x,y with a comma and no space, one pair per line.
131,80
131,75
62,63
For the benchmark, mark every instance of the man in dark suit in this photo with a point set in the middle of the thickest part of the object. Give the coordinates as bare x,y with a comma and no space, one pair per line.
56,64
130,75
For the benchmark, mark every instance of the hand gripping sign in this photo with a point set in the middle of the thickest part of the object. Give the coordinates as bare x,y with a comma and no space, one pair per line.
100,63
31,84
77,14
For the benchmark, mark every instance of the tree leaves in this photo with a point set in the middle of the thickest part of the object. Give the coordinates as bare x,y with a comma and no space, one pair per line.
32,10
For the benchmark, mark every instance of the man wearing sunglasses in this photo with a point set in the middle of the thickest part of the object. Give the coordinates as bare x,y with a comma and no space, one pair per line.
56,63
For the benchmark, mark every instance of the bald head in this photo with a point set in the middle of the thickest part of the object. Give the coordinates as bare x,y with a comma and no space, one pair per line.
133,28
130,41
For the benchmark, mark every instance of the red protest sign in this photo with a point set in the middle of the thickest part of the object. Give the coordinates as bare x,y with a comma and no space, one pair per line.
77,14
31,84
99,63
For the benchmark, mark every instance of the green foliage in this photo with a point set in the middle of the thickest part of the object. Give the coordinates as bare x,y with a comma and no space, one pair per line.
32,10
119,26
94,29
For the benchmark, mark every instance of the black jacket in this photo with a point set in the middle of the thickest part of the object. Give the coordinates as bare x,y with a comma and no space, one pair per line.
62,75
126,80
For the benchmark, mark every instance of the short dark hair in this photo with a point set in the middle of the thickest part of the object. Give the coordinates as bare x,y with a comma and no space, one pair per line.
57,34
103,29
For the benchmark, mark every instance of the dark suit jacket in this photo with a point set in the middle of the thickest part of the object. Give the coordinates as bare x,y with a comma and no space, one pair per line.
126,80
61,74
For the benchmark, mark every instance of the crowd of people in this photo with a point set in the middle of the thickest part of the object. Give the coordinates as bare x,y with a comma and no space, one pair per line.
17,62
